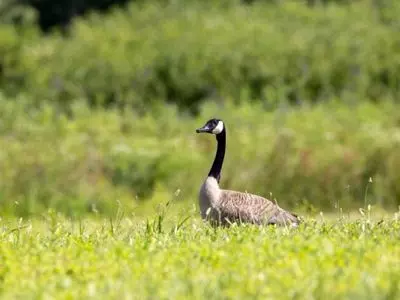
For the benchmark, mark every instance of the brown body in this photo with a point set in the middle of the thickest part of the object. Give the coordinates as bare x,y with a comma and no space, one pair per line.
223,207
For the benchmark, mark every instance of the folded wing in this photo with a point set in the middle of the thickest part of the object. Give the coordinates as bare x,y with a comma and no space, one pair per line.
244,207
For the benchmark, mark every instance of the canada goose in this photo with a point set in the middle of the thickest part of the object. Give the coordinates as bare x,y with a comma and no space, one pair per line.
222,207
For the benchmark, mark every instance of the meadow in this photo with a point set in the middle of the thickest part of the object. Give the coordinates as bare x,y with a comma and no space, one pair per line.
168,258
100,165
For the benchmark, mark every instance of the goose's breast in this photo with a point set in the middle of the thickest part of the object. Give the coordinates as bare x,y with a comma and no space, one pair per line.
209,196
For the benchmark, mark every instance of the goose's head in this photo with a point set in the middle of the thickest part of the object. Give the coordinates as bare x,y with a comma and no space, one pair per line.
213,126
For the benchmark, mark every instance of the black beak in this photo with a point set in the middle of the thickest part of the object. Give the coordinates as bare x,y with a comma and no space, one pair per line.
205,128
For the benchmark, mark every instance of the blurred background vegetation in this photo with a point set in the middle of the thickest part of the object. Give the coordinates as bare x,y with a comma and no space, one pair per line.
99,101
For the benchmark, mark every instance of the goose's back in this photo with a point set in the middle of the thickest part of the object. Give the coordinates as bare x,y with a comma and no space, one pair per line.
249,208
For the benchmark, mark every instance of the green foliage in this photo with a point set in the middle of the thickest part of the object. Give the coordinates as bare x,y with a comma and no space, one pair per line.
315,158
16,13
148,55
60,13
124,259
58,151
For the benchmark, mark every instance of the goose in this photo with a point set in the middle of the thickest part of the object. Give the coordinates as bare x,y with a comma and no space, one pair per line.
223,207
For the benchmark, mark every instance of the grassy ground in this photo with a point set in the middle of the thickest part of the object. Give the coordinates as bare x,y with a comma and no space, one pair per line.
122,258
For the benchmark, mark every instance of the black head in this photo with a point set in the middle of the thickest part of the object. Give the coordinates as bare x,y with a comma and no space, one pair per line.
214,126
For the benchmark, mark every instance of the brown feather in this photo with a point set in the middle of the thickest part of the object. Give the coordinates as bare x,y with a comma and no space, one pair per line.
249,208
223,207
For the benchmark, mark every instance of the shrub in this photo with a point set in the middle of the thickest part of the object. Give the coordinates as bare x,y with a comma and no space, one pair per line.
60,13
147,55
321,157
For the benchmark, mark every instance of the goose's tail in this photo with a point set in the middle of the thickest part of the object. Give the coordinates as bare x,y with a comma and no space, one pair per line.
284,218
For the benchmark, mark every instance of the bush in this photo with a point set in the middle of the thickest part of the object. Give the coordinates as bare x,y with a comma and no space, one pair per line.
147,55
320,158
60,13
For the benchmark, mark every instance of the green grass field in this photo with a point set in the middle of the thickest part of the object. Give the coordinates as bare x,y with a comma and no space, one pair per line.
121,258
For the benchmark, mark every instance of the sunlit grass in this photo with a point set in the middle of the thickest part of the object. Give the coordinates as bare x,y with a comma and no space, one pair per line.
167,256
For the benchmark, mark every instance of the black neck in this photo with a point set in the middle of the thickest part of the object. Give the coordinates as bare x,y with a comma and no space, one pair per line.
216,167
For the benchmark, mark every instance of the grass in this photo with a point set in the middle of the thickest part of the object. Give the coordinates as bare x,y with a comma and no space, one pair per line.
170,258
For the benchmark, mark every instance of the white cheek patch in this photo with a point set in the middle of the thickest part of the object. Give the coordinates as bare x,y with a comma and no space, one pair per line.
218,129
